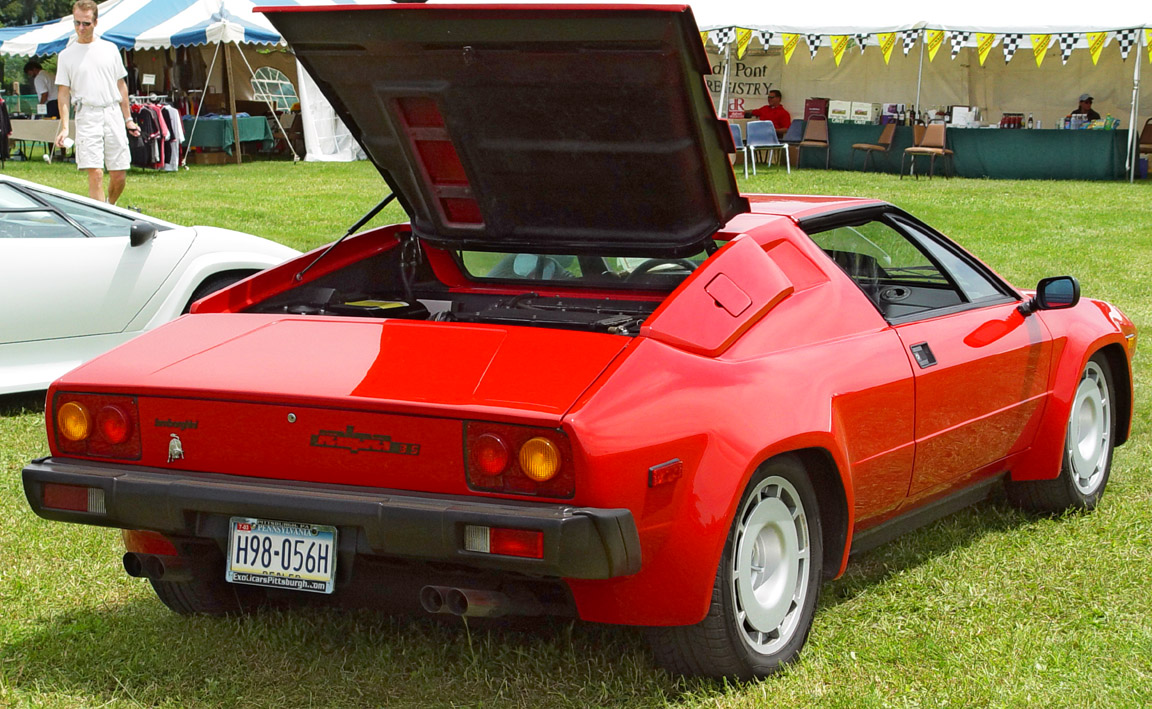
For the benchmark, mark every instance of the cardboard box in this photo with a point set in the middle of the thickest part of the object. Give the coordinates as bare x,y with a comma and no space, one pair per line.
867,113
839,111
214,158
815,106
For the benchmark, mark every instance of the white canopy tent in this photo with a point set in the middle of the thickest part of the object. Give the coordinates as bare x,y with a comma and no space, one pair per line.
162,24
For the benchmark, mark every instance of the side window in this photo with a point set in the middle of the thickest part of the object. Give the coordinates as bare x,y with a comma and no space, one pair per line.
975,285
97,221
906,274
30,224
21,217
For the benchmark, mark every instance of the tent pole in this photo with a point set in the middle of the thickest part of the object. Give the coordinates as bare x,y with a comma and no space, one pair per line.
272,109
724,86
1133,136
920,71
232,101
199,107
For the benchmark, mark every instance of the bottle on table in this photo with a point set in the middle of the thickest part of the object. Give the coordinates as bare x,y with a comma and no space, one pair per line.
1029,120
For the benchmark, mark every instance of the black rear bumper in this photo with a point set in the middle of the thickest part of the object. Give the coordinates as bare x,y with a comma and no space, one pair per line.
579,542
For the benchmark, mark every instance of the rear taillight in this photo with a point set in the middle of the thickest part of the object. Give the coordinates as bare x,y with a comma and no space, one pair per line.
76,498
518,460
101,425
526,543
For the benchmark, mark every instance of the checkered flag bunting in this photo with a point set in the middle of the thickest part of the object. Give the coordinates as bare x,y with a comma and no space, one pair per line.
1126,39
813,43
958,40
908,38
765,37
723,36
860,40
1010,42
1067,44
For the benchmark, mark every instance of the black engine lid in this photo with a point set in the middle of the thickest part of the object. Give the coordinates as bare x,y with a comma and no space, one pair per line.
531,128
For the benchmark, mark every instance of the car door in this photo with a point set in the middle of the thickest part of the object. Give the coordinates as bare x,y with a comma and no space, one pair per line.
980,368
67,268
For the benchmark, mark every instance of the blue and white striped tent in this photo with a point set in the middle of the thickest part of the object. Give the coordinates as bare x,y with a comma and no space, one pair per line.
158,24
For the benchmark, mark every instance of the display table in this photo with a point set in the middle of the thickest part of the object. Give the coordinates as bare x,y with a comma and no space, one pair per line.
30,133
1024,154
216,133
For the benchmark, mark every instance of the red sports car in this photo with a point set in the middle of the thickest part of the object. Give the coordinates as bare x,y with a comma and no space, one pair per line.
589,378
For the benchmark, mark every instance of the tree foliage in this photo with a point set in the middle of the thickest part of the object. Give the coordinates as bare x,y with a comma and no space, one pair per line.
26,12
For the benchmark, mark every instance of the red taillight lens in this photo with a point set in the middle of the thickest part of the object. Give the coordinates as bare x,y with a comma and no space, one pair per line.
519,460
490,454
113,432
113,423
516,542
76,498
527,543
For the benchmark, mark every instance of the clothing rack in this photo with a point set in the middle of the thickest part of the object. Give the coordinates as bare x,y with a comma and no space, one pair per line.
148,98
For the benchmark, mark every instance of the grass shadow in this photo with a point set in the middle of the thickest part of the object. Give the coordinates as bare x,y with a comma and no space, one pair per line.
30,402
939,538
138,652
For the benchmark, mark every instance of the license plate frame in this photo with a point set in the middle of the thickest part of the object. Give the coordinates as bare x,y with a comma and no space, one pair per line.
257,548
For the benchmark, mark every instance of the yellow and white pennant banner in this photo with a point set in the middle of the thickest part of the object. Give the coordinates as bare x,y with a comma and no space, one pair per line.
984,43
935,39
887,41
839,44
743,39
790,42
1040,44
1096,44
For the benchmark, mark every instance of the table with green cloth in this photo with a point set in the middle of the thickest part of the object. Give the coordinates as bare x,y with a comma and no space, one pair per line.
1022,154
216,133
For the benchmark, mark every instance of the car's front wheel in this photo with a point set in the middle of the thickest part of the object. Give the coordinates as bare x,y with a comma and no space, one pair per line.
766,587
1089,440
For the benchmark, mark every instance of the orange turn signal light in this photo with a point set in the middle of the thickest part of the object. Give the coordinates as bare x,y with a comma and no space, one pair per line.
539,459
74,421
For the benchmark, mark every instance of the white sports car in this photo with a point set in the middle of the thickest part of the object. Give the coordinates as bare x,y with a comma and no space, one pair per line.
78,277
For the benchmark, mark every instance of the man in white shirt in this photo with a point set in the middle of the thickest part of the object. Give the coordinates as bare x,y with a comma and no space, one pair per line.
45,84
90,80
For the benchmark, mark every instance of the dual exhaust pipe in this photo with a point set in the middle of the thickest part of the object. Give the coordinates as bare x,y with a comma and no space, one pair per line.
156,567
469,602
477,603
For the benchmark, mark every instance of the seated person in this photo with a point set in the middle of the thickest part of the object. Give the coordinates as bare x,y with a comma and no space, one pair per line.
774,112
1085,109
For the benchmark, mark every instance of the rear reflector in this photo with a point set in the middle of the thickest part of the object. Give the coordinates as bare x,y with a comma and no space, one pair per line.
525,543
77,498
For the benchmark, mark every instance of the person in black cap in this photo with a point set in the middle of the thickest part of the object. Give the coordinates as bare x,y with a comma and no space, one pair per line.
1085,109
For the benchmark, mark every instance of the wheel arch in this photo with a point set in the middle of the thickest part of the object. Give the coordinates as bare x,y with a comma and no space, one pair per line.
1121,371
1042,461
835,520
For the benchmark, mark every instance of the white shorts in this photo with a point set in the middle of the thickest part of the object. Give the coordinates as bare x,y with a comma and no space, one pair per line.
101,138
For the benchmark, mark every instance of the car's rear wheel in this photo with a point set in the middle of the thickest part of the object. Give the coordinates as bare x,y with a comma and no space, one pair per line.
206,592
1089,440
766,587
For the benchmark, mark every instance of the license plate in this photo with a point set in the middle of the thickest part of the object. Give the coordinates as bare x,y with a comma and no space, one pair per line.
291,555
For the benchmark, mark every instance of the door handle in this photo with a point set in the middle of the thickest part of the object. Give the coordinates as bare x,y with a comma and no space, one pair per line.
923,354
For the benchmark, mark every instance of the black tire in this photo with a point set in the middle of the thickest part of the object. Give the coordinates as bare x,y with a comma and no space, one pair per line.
758,621
211,284
1089,440
206,592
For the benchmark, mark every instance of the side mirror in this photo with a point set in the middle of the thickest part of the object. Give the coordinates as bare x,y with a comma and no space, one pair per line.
141,232
1055,293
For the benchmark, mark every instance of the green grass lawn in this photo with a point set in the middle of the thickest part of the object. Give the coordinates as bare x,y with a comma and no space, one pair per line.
989,607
